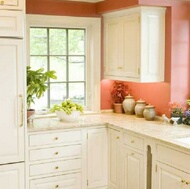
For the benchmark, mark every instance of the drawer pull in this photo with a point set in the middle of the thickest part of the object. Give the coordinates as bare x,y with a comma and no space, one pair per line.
2,2
187,182
182,181
132,154
117,137
56,138
132,141
56,186
56,153
56,167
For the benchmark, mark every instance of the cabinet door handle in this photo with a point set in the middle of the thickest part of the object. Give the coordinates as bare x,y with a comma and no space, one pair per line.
57,186
187,182
117,137
56,153
56,167
56,138
2,2
21,110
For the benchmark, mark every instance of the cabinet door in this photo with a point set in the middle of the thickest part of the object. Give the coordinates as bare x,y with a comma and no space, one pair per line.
11,4
168,177
12,176
113,42
131,46
97,158
114,160
11,100
133,165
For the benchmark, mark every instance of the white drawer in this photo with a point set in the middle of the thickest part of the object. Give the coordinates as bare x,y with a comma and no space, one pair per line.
55,167
11,24
70,181
133,141
174,158
65,137
56,152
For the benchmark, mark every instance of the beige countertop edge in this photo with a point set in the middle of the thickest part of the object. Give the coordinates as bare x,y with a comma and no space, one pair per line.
152,129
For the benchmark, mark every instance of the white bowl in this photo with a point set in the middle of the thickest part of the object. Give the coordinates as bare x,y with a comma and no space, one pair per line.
68,118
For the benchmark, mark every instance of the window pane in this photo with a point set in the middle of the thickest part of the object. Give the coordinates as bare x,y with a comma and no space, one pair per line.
37,62
57,41
76,68
58,63
40,103
38,41
77,92
57,93
76,42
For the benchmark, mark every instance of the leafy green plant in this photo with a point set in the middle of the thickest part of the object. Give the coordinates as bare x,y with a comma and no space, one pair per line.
67,106
36,83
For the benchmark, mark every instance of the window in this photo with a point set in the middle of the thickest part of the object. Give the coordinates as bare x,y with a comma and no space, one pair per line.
72,49
62,50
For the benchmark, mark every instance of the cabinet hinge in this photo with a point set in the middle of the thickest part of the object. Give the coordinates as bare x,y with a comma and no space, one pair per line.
156,168
139,71
87,182
87,135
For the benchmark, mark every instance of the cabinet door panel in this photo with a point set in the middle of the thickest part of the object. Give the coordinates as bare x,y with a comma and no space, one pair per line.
168,177
11,122
114,159
133,170
97,157
11,4
12,176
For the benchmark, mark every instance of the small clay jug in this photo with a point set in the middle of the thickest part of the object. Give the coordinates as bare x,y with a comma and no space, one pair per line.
139,108
149,112
129,105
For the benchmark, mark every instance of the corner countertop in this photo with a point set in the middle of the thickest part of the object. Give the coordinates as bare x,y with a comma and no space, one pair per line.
159,130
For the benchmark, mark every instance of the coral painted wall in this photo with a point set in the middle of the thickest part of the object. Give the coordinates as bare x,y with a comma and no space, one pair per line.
177,58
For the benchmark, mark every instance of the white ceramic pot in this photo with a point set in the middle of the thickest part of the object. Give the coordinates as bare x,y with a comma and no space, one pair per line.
129,105
139,108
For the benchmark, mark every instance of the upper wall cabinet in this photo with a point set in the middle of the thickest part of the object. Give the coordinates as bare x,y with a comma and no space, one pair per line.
134,44
11,4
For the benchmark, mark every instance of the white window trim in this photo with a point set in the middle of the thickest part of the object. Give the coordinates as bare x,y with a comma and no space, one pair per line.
93,27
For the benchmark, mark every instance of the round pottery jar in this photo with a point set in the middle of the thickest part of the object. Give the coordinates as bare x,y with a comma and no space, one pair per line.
129,105
149,112
139,108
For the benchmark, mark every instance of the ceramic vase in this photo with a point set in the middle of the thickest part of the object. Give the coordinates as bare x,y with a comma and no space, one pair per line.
139,108
118,108
129,105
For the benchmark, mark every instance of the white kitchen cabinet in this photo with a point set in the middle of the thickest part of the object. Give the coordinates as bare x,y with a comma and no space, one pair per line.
12,176
11,24
134,44
133,165
55,159
169,177
97,158
114,159
11,100
12,4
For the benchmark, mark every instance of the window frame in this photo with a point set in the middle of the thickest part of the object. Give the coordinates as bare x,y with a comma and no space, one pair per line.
93,49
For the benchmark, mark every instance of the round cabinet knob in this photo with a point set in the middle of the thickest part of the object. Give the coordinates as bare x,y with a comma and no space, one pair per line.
132,141
182,181
56,153
56,167
2,2
117,137
57,186
56,138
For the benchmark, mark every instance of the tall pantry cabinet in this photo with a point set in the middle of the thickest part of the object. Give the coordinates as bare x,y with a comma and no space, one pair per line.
12,76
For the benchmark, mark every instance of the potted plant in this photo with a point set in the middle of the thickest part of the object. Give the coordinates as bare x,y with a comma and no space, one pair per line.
177,110
36,85
118,92
187,114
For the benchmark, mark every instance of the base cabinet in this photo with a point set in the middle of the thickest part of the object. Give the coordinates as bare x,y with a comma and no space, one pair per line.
133,174
169,177
114,159
12,176
97,158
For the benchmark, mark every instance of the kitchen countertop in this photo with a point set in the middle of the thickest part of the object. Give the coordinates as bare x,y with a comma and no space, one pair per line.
159,130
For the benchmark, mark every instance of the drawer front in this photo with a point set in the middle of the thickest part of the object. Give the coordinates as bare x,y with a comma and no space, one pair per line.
11,24
70,181
57,152
55,167
55,138
174,158
133,141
